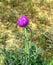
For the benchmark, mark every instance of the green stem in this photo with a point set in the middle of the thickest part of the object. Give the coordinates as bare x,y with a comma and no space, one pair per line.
25,32
26,41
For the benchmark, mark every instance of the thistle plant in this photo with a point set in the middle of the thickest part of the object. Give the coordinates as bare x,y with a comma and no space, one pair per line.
31,53
23,22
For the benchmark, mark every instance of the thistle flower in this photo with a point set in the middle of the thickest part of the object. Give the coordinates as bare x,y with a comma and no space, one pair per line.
23,21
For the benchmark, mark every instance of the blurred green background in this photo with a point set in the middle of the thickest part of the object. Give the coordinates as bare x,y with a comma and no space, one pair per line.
40,13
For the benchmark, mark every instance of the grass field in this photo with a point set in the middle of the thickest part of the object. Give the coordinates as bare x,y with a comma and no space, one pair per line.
40,14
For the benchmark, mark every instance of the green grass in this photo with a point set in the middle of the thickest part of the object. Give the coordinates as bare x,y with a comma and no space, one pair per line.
41,50
20,57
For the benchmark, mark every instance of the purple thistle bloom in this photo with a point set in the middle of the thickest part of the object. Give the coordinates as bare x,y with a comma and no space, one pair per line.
23,21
